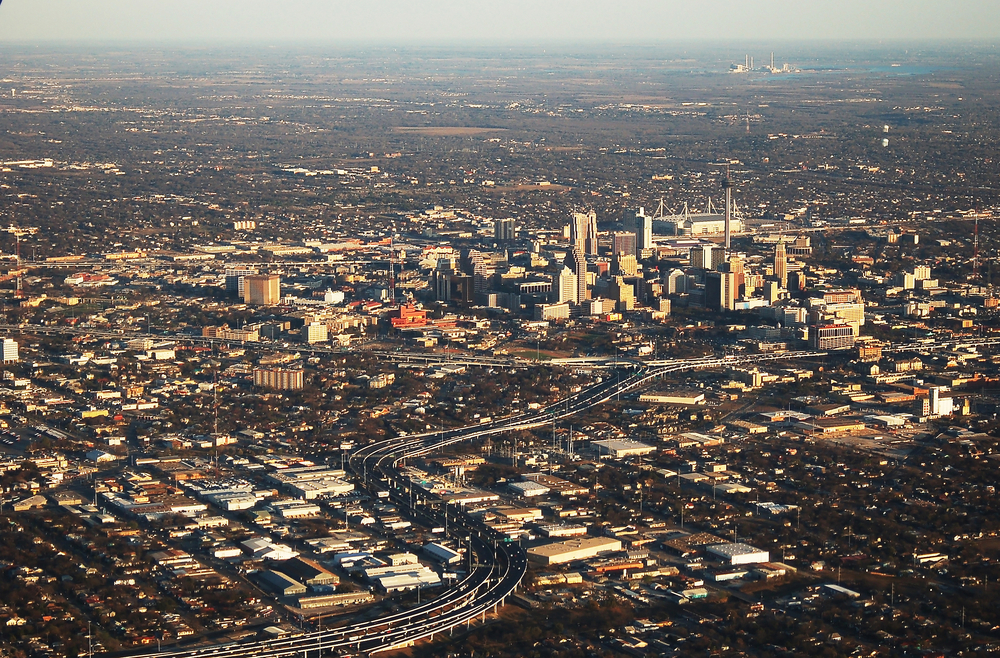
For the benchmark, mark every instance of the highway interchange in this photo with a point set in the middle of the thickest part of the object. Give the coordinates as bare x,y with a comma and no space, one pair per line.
498,566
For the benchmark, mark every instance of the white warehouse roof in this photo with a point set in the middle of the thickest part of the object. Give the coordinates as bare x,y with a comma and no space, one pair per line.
739,553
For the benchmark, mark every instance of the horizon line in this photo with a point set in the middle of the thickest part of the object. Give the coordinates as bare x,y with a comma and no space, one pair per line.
500,43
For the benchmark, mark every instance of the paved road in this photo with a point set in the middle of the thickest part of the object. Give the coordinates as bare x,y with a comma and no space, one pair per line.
471,360
500,566
299,348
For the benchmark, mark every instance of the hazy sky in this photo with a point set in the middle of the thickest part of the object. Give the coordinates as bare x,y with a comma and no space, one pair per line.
445,21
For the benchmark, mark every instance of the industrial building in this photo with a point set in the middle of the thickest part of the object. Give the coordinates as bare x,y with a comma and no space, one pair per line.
527,489
622,448
739,553
281,584
554,531
676,397
330,600
312,482
442,554
571,550
561,487
407,581
308,572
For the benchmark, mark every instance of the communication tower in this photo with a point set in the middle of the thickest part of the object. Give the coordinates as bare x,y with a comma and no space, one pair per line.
975,250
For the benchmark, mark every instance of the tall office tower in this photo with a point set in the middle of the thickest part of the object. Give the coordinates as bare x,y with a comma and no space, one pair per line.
565,289
675,282
700,256
707,256
638,222
262,289
625,265
624,243
735,265
469,259
235,279
578,231
772,291
9,348
622,292
482,275
781,264
583,232
577,262
591,242
474,262
442,283
720,291
452,287
717,258
503,230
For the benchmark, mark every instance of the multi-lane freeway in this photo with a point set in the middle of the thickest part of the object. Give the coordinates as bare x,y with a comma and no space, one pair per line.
451,358
498,567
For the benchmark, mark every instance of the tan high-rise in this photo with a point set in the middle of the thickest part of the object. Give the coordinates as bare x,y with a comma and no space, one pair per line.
262,289
781,264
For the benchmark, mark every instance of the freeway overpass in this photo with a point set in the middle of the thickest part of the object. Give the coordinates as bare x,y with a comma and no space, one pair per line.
499,566
400,356
469,360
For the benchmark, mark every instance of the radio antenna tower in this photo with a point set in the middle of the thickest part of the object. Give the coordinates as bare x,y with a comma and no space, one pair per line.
392,273
975,250
727,186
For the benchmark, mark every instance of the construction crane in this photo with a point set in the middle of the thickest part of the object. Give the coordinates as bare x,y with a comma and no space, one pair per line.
18,231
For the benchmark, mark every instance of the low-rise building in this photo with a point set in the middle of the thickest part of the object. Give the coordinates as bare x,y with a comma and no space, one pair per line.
739,553
622,448
571,550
